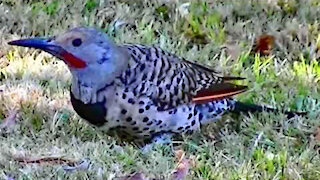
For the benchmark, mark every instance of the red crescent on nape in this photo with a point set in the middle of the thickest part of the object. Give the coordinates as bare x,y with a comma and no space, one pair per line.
73,60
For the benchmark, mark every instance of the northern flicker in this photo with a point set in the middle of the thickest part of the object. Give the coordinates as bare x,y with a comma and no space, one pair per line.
140,92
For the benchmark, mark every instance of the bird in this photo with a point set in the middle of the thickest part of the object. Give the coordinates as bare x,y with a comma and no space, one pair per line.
141,93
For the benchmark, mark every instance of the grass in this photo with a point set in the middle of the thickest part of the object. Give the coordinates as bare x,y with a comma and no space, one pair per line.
217,33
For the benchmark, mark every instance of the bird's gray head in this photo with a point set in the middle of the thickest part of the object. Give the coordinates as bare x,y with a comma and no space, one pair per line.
88,53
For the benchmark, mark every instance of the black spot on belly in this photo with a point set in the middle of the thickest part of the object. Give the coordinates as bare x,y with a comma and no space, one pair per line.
93,113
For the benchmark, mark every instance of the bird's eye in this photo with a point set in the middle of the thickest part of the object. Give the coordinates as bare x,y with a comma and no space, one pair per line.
77,42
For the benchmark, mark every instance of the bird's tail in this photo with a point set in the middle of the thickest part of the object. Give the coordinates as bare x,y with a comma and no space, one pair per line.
246,108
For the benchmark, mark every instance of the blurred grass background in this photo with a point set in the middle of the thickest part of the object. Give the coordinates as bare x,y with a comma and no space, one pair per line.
223,34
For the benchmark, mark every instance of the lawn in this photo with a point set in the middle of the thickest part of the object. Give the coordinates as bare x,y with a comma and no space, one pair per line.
274,44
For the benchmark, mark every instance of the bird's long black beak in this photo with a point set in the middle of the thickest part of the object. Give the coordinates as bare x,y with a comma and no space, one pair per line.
51,47
47,45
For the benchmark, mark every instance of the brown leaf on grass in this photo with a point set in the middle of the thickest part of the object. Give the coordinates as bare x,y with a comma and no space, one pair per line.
179,155
182,169
44,159
10,120
68,164
264,44
134,176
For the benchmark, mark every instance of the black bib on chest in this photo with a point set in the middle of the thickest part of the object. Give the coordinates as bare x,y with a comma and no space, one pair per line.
94,113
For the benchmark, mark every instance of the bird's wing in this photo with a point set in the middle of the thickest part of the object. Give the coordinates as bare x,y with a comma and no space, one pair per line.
170,81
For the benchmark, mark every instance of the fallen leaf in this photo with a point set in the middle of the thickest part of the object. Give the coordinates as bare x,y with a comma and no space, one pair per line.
44,159
182,169
10,121
179,154
264,44
68,164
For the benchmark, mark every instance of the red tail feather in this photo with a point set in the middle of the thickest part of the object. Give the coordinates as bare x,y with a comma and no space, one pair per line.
218,91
